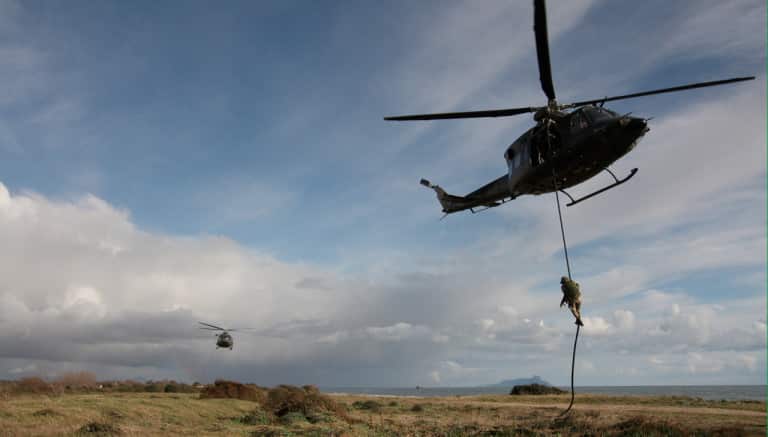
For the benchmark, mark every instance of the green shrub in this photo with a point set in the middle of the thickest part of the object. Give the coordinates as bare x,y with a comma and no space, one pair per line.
293,417
256,417
99,428
367,405
535,389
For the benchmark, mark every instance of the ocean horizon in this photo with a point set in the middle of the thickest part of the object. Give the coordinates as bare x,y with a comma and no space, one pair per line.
709,392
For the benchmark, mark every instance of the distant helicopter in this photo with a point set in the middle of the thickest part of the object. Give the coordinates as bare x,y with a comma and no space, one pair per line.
223,340
563,149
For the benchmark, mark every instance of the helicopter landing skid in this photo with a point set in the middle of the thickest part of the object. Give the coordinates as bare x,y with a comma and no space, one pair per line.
595,193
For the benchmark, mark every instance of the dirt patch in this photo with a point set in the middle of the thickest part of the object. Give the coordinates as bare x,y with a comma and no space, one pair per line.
222,389
535,389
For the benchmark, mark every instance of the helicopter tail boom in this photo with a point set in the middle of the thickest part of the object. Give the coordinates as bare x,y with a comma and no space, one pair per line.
452,203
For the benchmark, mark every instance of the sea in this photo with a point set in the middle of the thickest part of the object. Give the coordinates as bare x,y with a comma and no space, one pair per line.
709,392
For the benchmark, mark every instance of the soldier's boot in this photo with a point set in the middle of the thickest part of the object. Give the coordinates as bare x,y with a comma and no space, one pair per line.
577,314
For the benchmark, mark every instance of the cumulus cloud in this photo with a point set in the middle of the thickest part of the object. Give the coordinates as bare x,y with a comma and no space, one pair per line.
596,325
397,332
122,301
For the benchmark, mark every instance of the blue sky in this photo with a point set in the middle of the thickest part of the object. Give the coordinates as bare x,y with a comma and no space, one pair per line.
180,161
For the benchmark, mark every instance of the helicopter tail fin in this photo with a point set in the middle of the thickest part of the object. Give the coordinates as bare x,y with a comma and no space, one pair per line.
449,202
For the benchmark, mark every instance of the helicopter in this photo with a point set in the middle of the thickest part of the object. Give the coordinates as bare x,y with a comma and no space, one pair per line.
223,340
564,148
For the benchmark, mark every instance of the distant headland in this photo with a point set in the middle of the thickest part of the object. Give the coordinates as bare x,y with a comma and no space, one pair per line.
521,381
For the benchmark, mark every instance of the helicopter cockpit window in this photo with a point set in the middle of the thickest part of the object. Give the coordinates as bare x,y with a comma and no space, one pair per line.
596,113
578,120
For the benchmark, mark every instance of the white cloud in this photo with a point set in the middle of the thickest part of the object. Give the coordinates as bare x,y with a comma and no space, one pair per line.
119,310
28,369
596,326
748,361
397,332
624,320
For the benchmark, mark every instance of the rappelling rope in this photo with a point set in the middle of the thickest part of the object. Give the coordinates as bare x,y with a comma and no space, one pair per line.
568,266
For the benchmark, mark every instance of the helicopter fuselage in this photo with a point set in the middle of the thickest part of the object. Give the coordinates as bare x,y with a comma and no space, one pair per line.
558,153
580,145
224,340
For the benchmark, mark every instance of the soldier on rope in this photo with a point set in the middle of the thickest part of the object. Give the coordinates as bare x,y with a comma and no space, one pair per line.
571,296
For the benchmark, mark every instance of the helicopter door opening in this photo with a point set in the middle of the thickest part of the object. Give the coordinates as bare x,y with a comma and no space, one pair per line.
514,159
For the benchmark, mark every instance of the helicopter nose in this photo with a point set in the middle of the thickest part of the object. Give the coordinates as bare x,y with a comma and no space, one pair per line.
636,125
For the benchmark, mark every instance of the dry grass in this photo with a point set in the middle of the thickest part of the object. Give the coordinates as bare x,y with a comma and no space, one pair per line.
307,412
538,415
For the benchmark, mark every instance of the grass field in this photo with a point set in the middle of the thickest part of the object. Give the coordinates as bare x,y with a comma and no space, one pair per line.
156,414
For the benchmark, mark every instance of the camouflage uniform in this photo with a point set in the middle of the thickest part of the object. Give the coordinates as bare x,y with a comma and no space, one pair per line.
571,296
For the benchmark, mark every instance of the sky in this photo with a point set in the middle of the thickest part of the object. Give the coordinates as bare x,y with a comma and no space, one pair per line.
175,162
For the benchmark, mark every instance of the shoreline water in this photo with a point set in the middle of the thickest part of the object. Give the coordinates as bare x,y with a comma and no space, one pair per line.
708,392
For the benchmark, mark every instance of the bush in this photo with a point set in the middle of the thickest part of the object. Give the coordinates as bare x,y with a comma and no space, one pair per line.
417,408
33,384
366,405
222,389
99,428
535,389
293,417
170,388
76,380
256,417
285,399
152,388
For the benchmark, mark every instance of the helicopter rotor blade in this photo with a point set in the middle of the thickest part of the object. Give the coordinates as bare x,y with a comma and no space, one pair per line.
469,114
209,329
212,326
542,48
660,91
